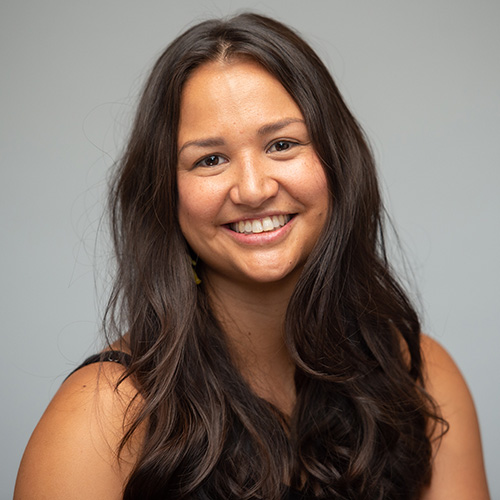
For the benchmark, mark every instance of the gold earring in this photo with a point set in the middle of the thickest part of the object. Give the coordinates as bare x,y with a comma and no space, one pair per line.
196,278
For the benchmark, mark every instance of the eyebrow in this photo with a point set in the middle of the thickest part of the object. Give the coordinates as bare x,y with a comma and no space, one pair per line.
211,142
274,127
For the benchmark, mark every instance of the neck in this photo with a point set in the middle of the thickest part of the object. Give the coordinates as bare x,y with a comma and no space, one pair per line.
253,319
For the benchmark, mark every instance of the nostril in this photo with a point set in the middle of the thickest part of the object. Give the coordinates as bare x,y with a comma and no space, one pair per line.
253,191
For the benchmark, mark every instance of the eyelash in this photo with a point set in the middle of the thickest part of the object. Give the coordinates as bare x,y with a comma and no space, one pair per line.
200,162
289,145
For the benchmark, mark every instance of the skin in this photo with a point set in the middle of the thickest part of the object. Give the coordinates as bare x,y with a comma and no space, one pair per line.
245,151
458,468
72,452
261,164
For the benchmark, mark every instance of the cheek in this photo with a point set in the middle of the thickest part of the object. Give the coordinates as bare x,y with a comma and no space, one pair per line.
198,206
323,195
316,196
190,220
311,185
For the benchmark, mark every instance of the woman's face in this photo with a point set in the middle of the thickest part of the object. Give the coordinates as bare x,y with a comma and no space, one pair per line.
253,196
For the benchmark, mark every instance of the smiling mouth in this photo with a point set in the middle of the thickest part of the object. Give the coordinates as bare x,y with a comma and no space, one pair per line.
256,226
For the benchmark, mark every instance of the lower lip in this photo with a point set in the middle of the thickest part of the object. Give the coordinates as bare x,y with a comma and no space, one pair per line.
264,238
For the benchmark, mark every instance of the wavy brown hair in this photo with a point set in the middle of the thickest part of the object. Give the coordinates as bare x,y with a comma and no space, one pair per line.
360,427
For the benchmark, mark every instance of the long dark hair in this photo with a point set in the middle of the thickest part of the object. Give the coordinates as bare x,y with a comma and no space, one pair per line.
360,428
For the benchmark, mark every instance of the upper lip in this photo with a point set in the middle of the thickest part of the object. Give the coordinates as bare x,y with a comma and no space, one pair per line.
258,216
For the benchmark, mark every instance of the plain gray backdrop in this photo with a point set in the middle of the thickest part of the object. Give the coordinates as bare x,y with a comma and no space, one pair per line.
423,77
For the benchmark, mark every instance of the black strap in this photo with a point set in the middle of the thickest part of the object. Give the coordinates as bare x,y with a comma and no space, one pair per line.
115,356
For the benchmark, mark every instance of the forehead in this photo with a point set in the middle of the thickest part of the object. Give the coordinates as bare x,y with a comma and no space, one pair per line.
226,71
240,93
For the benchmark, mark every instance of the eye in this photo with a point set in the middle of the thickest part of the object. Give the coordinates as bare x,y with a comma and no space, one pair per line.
211,161
281,146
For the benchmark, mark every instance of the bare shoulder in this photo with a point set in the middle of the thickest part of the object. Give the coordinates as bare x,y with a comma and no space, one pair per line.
458,467
73,450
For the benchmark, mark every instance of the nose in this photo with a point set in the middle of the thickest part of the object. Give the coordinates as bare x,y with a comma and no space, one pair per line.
253,183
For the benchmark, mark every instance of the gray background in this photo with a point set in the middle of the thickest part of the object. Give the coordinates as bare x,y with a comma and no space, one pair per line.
423,78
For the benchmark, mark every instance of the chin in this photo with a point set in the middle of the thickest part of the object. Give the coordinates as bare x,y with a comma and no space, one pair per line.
274,276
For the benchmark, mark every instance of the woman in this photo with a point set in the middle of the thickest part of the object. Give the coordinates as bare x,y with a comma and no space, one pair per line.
269,351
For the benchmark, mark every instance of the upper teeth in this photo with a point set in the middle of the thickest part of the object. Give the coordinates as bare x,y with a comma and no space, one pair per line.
260,225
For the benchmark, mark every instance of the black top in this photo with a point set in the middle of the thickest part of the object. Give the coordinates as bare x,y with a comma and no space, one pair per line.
116,356
124,359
